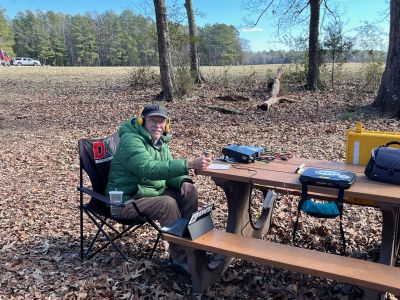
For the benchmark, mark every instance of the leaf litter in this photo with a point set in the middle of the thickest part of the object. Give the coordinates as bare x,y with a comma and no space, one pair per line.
45,111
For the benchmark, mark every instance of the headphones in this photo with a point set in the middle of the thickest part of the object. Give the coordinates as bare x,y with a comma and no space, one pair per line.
140,121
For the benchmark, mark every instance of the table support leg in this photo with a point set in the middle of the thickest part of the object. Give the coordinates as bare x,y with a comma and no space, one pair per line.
206,273
389,244
390,234
237,194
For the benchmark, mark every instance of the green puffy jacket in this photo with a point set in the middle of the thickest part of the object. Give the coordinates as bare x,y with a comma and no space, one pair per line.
141,169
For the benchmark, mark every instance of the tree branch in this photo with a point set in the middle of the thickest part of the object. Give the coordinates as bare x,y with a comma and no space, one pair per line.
328,9
284,14
262,13
304,7
294,13
306,18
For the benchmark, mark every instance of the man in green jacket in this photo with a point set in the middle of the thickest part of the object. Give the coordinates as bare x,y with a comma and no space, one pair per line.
143,168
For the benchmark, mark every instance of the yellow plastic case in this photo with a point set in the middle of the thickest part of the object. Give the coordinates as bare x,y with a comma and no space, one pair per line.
359,144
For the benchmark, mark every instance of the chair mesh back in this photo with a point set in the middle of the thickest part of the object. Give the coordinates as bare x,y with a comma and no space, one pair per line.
95,158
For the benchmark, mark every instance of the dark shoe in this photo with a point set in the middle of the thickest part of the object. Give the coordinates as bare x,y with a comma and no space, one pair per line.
179,267
210,257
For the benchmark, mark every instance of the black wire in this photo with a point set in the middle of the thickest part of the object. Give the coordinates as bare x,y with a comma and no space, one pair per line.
249,210
250,197
244,226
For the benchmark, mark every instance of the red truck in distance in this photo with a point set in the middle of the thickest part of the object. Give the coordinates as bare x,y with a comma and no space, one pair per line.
5,60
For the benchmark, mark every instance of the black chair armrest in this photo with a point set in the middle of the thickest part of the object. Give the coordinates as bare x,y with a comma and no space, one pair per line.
97,196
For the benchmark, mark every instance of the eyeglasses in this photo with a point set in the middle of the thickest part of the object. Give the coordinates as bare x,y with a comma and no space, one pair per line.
156,120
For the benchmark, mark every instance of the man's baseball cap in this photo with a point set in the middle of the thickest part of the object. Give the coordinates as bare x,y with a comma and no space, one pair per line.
154,110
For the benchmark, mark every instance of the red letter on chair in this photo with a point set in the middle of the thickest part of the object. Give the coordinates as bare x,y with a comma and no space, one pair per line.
99,150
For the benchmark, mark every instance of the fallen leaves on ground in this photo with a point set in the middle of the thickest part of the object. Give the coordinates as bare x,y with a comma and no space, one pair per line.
45,111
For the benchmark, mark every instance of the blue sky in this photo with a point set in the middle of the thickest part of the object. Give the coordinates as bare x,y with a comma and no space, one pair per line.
232,12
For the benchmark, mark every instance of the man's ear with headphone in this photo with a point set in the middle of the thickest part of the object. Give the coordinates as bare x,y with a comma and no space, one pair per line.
168,125
140,121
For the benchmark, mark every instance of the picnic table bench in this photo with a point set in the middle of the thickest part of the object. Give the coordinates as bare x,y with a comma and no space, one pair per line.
241,241
359,272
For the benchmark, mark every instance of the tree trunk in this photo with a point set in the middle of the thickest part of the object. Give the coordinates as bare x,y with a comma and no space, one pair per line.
333,70
388,98
194,62
275,87
313,55
164,54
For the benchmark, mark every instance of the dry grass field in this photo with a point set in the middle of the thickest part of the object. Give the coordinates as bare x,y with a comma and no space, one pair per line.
45,110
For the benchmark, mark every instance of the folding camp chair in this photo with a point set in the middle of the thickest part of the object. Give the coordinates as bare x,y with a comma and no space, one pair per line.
95,158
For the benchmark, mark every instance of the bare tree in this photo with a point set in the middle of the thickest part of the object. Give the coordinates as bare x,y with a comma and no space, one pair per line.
194,62
313,53
164,54
388,98
290,13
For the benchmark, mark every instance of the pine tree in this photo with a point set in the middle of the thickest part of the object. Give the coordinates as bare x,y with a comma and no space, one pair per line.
6,37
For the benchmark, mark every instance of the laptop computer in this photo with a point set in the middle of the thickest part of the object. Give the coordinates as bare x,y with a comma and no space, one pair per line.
327,177
199,223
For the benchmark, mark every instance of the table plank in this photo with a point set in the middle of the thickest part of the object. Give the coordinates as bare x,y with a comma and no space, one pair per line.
282,174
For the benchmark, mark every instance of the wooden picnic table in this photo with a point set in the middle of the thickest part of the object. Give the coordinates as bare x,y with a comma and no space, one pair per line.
237,181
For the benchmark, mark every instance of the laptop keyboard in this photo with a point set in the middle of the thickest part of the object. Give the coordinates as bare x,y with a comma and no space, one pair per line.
177,227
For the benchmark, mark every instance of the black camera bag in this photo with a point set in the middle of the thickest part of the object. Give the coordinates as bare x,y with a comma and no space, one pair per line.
384,164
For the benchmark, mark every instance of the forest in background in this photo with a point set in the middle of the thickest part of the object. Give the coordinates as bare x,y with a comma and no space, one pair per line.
130,39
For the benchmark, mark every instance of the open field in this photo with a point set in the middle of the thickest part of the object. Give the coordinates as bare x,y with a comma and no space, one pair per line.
207,70
263,69
43,113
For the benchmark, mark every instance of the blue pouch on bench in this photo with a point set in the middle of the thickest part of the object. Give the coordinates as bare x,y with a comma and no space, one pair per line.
320,210
338,179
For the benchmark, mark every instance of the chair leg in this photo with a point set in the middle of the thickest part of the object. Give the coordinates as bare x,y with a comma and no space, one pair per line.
93,241
343,238
104,221
296,224
109,239
81,229
155,245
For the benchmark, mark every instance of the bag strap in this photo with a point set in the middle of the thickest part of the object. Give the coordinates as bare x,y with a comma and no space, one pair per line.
340,199
304,194
339,203
392,143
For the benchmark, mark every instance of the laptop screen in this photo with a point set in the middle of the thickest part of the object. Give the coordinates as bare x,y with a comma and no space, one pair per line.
201,213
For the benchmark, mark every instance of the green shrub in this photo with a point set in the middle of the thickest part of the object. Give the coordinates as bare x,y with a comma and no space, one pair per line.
183,81
296,75
347,115
142,77
372,72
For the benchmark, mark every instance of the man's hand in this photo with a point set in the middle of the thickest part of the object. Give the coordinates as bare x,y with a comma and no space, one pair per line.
199,163
187,188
